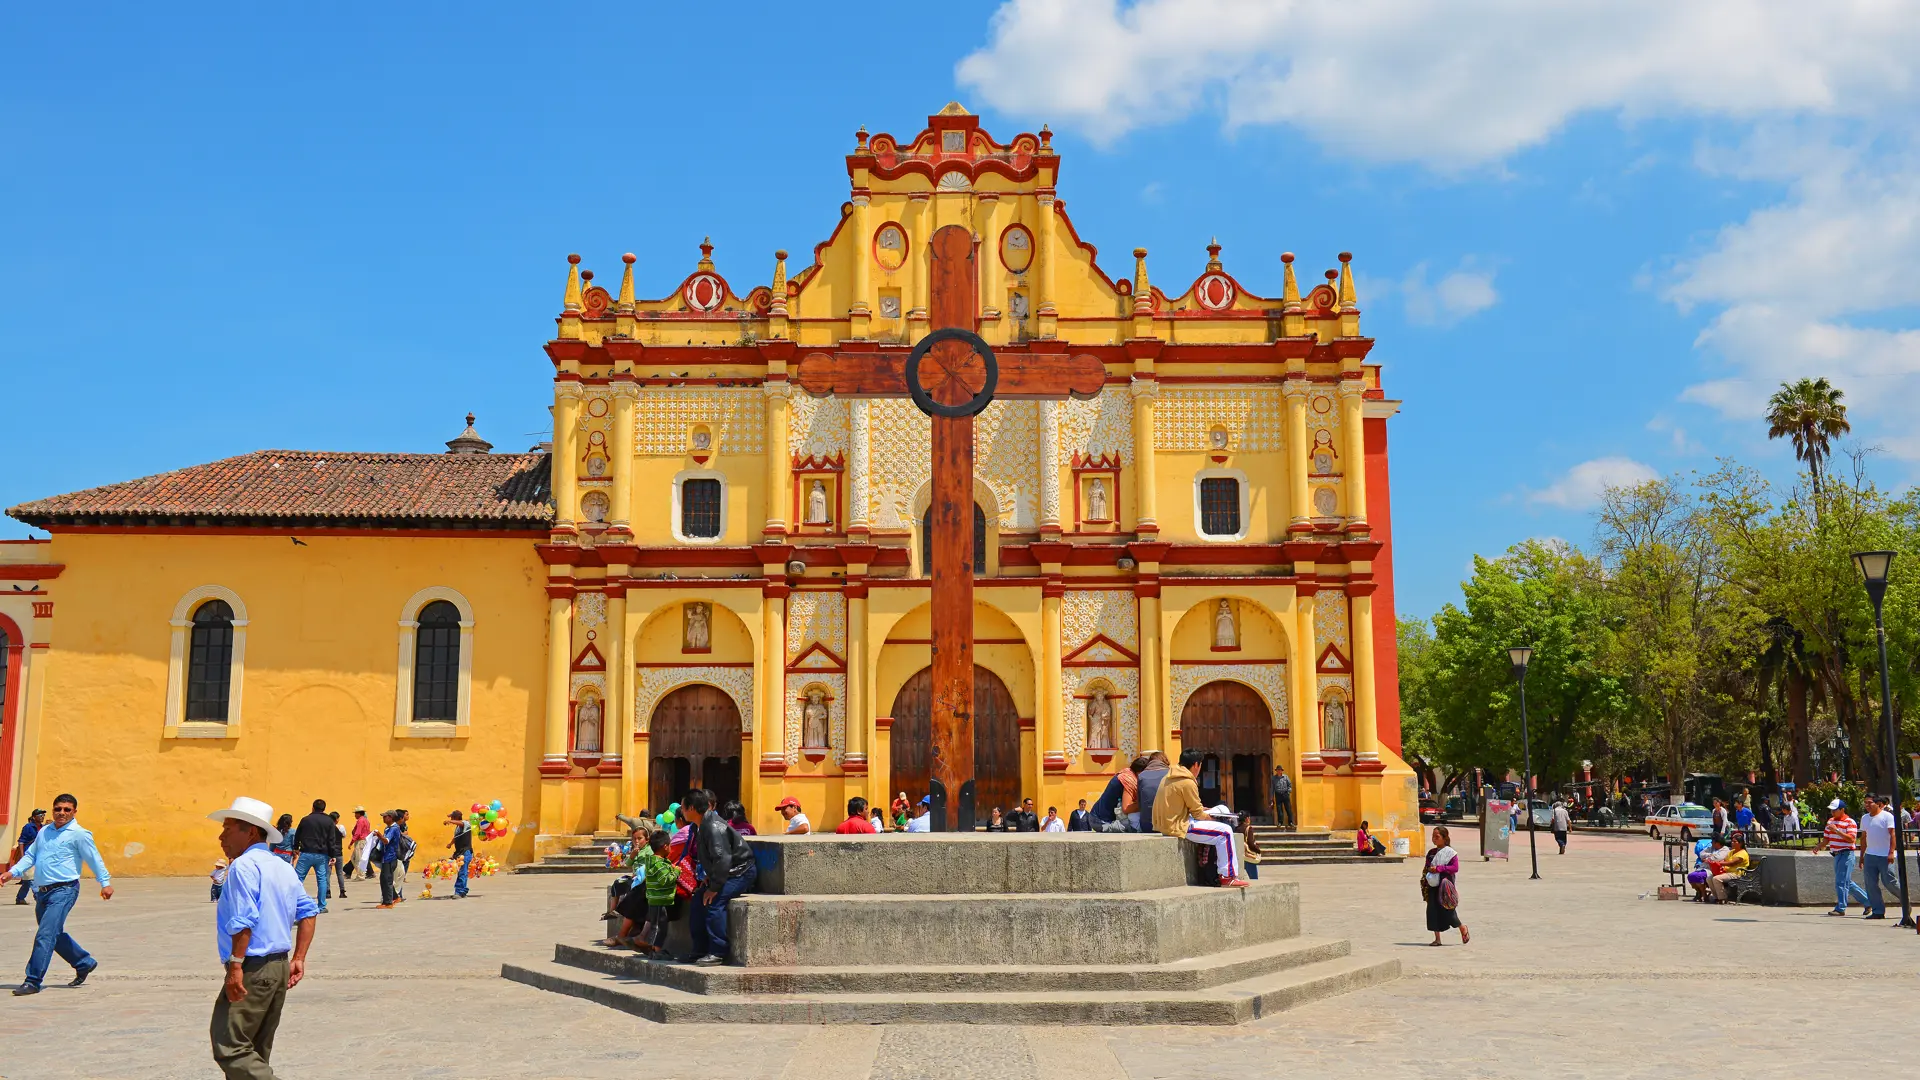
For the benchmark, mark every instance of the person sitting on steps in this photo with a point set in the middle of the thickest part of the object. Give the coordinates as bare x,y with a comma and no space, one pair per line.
1177,811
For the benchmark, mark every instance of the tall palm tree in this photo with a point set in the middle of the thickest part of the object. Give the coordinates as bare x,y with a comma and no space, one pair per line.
1810,413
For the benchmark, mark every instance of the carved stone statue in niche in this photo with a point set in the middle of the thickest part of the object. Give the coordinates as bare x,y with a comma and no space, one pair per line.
702,439
1018,305
586,726
698,628
813,718
817,503
1099,719
1218,439
1097,500
1325,502
1336,715
594,506
1225,634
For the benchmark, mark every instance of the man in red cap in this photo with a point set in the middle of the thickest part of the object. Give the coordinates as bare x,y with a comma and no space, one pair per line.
797,823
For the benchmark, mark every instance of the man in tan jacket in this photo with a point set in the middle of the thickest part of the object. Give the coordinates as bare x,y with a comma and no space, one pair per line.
1177,811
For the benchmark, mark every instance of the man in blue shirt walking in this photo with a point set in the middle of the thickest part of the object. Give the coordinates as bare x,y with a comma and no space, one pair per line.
263,926
27,832
55,858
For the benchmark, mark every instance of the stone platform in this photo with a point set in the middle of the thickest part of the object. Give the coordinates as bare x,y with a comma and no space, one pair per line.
984,928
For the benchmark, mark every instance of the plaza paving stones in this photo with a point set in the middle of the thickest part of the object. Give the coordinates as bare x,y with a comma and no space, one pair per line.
1573,976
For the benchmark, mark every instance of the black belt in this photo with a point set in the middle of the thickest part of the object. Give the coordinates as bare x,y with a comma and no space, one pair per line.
38,889
255,961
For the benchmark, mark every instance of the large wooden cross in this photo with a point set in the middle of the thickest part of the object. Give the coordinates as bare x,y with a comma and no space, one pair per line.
951,375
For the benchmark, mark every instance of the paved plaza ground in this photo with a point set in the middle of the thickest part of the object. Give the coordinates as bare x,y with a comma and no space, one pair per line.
1573,976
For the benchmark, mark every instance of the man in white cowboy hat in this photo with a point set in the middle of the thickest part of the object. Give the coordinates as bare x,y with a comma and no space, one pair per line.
262,927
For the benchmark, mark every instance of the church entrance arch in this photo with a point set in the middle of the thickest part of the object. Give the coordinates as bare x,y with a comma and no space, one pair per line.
1230,724
996,740
693,740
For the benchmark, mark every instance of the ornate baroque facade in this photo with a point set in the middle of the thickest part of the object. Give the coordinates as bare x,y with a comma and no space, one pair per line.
721,579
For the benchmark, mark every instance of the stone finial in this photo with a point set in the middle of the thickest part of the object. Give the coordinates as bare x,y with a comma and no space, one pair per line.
1142,289
1046,137
1346,282
625,301
860,140
1213,254
1289,285
469,441
572,302
706,253
777,304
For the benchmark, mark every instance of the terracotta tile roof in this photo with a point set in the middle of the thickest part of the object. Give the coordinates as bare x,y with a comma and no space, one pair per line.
319,489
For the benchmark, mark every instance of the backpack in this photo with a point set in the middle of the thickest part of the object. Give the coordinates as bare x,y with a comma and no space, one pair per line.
407,848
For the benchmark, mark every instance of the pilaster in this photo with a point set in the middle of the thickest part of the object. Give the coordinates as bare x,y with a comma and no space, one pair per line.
779,464
1046,312
860,313
858,414
626,398
1053,728
1354,470
1049,454
567,396
1145,501
1299,512
1365,695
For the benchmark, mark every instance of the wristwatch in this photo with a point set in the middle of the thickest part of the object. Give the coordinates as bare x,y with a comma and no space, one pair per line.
232,960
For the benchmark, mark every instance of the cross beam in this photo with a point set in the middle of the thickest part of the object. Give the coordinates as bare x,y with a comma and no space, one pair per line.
952,373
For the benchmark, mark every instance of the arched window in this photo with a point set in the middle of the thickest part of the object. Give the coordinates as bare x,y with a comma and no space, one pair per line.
436,665
210,662
979,540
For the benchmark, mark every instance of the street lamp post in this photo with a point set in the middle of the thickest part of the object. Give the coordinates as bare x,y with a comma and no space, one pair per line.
1521,655
1873,566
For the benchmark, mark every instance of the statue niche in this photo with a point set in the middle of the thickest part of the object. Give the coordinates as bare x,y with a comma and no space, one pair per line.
1100,726
1335,717
697,627
1226,635
813,719
587,725
817,513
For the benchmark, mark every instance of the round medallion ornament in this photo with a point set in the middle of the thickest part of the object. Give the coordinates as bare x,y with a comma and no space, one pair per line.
1215,292
952,372
1016,249
704,292
890,246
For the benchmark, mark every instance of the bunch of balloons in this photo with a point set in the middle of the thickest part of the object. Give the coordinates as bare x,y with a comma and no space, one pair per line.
490,818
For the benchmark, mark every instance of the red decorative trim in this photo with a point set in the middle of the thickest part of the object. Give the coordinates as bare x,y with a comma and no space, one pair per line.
702,663
43,609
31,571
906,249
883,723
976,641
1333,662
1101,639
1368,768
609,768
303,528
1226,663
1053,761
9,710
590,659
554,770
839,664
773,765
849,766
1026,723
1360,587
560,592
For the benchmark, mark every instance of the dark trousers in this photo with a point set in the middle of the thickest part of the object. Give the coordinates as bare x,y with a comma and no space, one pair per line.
242,1031
26,886
388,894
710,919
1283,810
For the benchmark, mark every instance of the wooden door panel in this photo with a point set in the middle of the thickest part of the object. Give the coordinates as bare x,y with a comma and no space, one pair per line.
996,740
693,740
1226,718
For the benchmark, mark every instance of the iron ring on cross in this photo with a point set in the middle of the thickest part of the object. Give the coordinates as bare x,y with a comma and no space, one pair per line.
980,399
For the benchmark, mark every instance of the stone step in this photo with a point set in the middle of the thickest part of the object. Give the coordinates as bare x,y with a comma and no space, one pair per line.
1152,926
598,859
1229,1003
599,867
1267,860
1193,973
948,863
1306,845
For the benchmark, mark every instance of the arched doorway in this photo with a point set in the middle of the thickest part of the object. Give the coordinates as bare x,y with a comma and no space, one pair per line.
996,740
693,740
1230,724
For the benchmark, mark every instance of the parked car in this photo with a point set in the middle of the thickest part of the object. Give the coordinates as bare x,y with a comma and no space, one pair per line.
1429,811
1684,821
1542,812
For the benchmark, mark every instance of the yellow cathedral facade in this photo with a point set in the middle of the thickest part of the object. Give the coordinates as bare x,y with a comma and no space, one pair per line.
711,578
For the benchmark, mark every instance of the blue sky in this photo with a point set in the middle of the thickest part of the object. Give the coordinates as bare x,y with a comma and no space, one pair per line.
1588,242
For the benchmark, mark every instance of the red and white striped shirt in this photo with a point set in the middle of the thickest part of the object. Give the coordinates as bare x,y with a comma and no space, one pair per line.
1841,833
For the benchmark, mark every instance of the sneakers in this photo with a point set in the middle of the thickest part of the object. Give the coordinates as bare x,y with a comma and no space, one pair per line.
382,907
24,989
80,974
710,960
1234,883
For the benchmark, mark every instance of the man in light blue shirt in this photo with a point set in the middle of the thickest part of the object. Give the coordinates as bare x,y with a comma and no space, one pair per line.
55,859
256,939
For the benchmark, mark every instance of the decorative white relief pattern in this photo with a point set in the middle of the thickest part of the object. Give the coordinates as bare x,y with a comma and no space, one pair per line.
1344,683
817,427
1086,612
1099,426
582,680
591,607
816,616
836,685
1126,711
1268,680
859,468
899,437
738,418
1004,436
1330,625
1049,436
655,683
1255,418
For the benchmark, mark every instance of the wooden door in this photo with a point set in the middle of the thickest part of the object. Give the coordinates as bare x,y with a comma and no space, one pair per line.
996,740
693,740
1231,723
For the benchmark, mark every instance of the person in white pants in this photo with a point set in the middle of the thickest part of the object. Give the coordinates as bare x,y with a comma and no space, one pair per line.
1177,811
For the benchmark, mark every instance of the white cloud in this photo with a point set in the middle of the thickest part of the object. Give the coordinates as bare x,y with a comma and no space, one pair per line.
1454,84
1455,296
1580,488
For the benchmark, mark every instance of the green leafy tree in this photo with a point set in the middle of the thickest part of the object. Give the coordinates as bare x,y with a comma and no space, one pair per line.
1812,414
1541,594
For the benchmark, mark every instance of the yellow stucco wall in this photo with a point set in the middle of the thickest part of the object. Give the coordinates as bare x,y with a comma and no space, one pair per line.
318,701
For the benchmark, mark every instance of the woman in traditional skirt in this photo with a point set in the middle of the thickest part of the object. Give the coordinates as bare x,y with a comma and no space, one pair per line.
1443,864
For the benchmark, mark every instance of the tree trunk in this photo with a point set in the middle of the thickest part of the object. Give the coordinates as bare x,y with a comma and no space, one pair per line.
1797,732
1676,756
